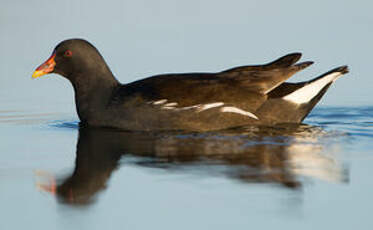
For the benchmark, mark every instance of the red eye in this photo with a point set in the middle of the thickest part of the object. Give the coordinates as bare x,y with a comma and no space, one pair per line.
68,53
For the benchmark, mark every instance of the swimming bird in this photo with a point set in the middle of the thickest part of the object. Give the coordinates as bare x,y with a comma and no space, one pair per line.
240,96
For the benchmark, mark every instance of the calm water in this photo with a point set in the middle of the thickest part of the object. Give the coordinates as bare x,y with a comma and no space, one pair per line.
55,175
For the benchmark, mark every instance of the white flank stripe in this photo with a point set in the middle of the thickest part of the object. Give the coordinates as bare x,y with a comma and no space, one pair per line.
160,102
171,104
189,107
307,92
209,106
229,109
165,107
198,107
181,108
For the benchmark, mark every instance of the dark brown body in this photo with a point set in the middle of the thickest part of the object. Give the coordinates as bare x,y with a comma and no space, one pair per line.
131,106
245,95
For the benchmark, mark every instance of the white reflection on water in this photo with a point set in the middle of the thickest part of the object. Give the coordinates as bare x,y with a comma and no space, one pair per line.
310,159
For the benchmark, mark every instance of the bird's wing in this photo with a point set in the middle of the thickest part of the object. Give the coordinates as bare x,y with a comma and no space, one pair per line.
265,78
285,61
245,86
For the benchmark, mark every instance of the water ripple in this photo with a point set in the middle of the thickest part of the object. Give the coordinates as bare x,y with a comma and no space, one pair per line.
65,124
356,121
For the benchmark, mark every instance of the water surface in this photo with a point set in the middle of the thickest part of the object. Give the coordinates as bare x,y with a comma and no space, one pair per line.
55,174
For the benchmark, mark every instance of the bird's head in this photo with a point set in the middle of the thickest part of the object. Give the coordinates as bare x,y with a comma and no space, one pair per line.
71,58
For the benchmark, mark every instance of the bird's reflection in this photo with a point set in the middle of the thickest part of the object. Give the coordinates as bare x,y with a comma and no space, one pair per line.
281,155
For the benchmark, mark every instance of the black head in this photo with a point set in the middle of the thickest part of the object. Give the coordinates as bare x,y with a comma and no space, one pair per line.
73,58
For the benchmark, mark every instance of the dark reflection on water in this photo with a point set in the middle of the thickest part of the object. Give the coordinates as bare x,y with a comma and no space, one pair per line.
280,156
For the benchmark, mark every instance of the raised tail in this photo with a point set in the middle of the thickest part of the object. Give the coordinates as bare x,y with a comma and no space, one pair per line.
308,90
292,102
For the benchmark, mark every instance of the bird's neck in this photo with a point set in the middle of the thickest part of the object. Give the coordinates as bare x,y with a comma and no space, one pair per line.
93,92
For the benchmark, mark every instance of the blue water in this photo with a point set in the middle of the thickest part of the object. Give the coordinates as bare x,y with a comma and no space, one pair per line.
55,175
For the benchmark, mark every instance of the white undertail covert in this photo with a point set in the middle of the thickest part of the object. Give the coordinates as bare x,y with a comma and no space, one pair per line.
309,91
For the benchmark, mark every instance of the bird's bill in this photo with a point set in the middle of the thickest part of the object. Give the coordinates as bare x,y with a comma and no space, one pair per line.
46,67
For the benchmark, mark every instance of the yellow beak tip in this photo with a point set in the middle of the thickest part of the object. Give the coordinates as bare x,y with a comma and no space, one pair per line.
37,74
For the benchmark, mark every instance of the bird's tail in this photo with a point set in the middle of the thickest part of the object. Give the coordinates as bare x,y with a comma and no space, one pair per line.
292,102
309,90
